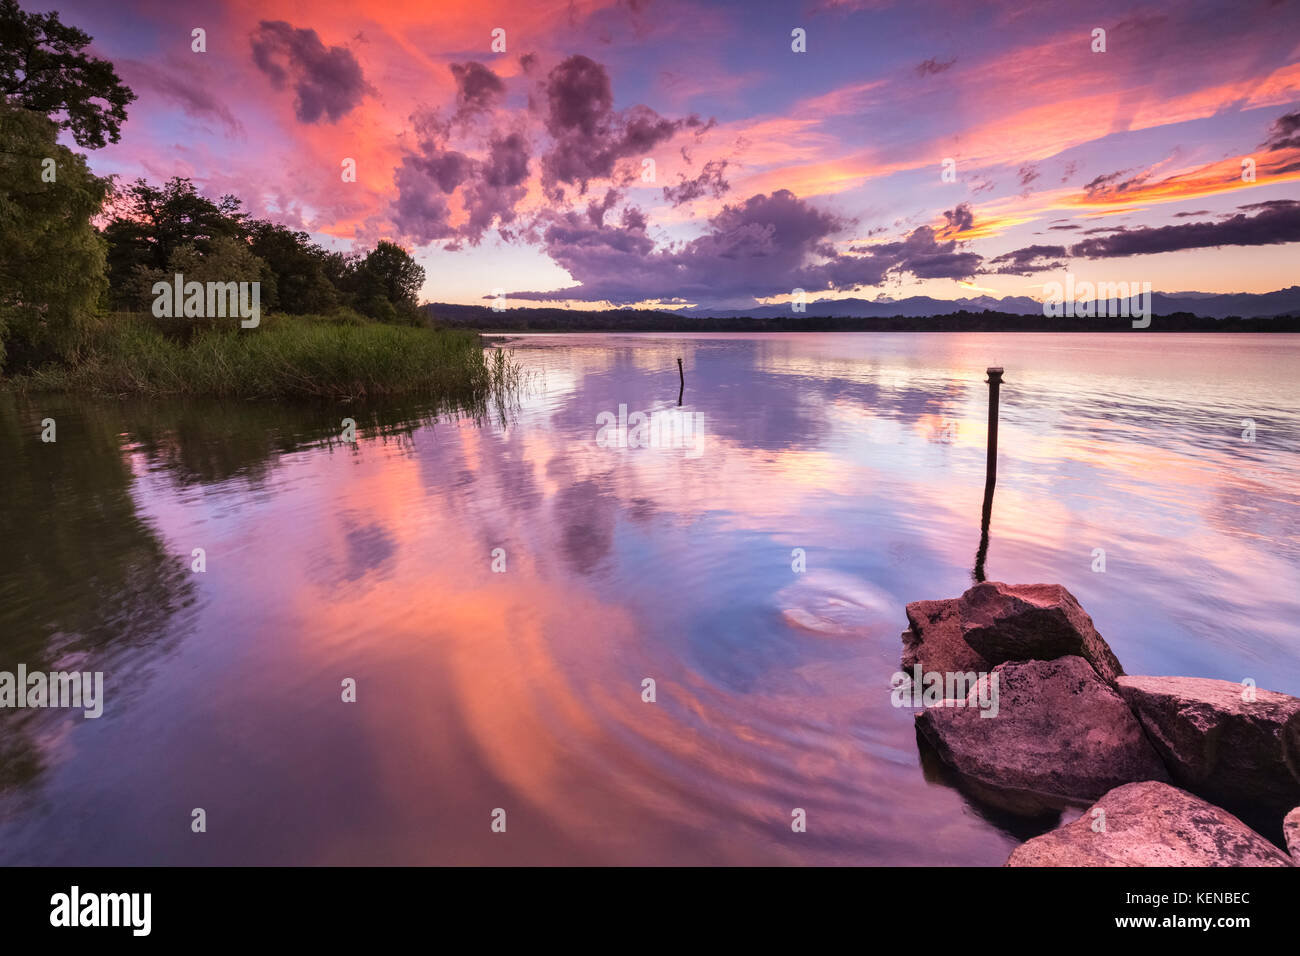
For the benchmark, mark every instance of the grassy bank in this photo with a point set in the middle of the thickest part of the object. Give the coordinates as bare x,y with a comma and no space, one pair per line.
285,356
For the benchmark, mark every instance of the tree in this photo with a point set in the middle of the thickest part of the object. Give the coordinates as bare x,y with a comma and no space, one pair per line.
51,257
388,276
43,69
301,269
154,230
225,259
150,223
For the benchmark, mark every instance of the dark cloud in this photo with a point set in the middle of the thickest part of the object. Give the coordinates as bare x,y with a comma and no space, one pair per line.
708,181
921,255
579,95
1028,260
959,220
498,187
1196,212
589,135
1270,204
765,246
933,66
420,210
490,188
447,168
327,81
1277,221
596,209
1070,226
582,140
1284,133
1027,174
507,164
643,129
1114,184
477,88
1103,181
755,248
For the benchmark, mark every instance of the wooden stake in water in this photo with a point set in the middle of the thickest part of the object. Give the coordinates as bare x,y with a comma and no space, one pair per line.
990,473
991,466
682,375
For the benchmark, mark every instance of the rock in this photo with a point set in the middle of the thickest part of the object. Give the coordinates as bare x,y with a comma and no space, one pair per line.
1291,830
993,623
1060,736
1151,824
1017,622
1237,753
934,639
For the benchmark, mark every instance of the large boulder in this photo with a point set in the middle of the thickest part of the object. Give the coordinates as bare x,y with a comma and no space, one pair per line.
1235,748
934,640
1291,831
993,623
1150,824
1018,622
1058,735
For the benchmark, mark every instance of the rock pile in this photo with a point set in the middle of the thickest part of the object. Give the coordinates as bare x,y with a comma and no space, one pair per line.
1158,758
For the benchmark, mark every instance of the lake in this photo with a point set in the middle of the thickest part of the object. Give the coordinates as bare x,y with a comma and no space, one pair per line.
500,586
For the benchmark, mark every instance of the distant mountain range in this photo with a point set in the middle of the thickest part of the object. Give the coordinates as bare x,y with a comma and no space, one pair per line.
1179,312
1205,304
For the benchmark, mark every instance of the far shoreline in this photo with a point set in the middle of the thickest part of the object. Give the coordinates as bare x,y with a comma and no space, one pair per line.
554,321
489,335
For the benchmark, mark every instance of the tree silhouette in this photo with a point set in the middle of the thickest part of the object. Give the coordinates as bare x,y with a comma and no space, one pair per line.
43,69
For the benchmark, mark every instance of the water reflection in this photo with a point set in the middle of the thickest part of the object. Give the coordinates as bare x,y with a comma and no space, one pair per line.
522,688
85,584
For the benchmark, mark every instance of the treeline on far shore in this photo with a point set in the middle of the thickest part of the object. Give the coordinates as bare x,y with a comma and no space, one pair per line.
484,319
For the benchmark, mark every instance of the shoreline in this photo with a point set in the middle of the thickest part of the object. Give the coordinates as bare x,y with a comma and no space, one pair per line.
289,356
954,323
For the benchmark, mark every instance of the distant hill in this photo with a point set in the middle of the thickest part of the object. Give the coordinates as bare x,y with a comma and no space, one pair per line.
1172,312
1207,304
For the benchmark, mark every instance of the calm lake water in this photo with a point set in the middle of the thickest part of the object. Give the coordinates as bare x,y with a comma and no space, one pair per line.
522,689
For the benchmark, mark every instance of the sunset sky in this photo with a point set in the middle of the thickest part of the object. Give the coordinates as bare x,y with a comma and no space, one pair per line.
773,169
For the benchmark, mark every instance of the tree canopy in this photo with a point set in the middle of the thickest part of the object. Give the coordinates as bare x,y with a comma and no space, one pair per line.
51,257
43,69
153,228
150,223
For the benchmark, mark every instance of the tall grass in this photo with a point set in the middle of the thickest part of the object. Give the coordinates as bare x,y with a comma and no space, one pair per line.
286,356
